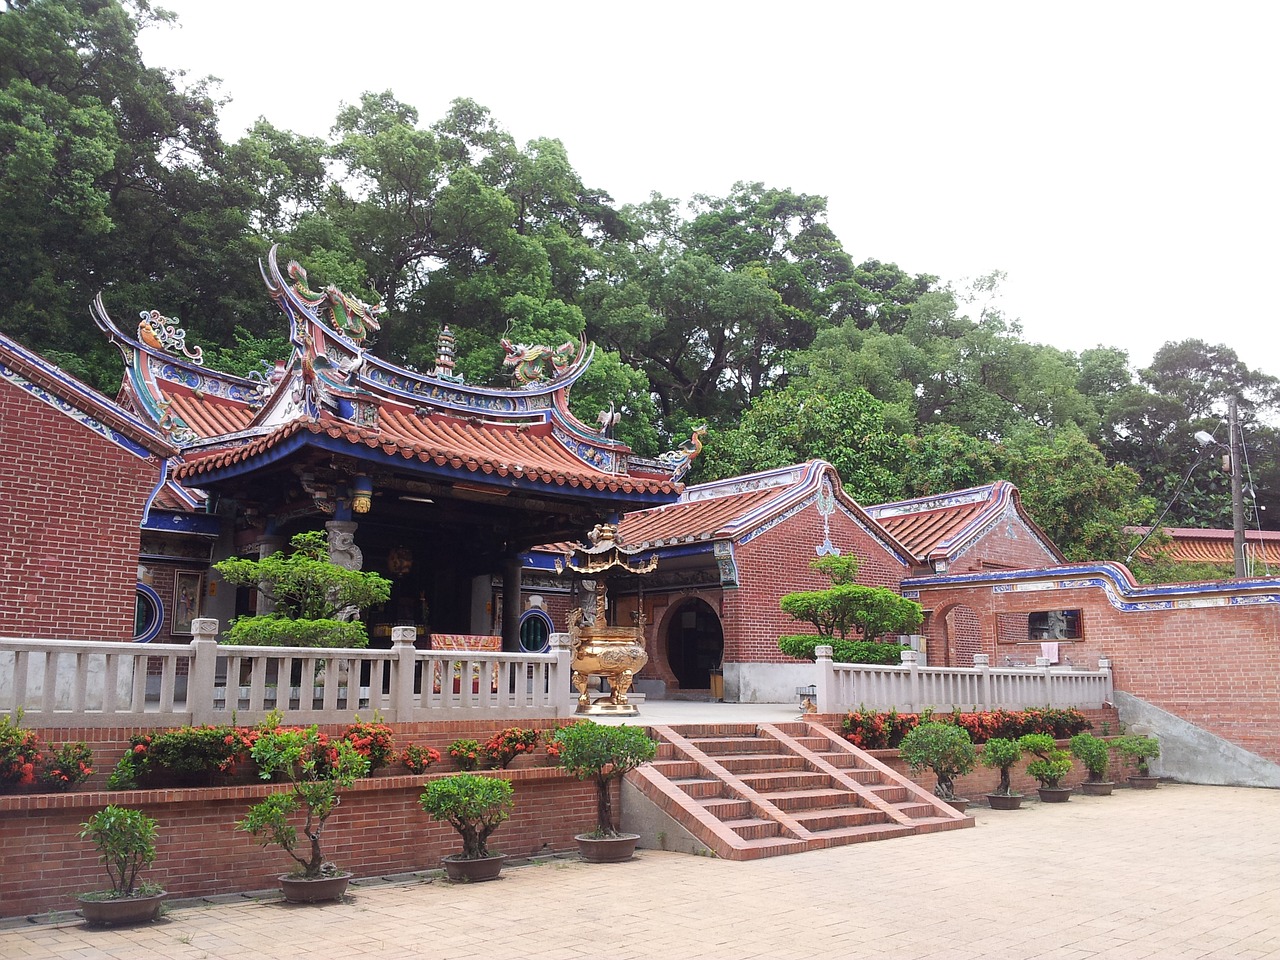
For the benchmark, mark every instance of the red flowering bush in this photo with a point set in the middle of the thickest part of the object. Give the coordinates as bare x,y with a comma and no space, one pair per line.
19,754
505,745
372,739
467,754
416,759
872,730
188,755
68,765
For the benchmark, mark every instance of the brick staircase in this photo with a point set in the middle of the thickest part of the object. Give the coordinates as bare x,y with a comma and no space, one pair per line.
761,790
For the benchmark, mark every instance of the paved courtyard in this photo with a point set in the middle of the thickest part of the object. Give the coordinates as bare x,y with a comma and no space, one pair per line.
1182,872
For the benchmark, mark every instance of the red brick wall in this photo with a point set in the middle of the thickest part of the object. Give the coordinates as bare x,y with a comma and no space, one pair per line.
379,828
1217,667
1009,544
776,563
70,515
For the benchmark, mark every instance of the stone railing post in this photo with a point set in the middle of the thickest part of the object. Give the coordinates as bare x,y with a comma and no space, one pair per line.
911,660
982,664
1042,664
563,699
825,687
1108,693
402,639
204,670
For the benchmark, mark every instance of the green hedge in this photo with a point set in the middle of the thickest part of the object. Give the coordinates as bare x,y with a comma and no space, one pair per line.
843,651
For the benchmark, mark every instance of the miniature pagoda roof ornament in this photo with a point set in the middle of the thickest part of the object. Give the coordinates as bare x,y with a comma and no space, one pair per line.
605,553
446,352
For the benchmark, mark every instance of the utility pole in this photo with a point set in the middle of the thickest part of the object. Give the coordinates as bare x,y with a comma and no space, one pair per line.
1237,492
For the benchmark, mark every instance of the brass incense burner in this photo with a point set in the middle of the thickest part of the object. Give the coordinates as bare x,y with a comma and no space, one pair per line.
615,653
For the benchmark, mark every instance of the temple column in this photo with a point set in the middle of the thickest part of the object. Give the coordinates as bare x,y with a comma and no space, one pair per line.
269,544
511,599
342,544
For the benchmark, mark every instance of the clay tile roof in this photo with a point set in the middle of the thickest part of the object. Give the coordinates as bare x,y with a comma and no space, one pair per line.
209,416
924,532
688,522
478,447
1213,546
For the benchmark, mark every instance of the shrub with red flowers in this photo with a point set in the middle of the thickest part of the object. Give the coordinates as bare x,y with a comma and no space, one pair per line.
467,754
505,745
20,754
197,756
416,759
372,739
873,730
67,766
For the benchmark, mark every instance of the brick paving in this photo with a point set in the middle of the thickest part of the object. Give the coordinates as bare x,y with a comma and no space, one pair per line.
1181,872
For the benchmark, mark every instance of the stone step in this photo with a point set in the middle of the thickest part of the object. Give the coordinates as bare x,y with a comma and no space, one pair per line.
741,763
754,828
838,818
727,808
718,746
699,788
785,780
822,798
678,769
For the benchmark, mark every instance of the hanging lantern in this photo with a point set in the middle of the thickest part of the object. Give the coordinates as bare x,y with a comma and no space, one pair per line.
361,494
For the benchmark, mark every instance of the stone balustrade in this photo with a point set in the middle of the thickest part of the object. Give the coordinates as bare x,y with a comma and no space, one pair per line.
85,684
910,688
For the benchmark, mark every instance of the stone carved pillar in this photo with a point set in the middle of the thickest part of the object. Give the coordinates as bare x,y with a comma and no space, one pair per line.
342,544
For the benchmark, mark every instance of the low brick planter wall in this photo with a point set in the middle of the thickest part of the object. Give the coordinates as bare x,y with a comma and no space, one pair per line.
378,829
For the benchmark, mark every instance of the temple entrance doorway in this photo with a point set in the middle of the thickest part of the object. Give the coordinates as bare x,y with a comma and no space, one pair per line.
695,644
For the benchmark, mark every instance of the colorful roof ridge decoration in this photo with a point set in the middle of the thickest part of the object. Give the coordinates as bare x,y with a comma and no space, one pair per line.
1191,545
939,528
333,394
61,391
740,508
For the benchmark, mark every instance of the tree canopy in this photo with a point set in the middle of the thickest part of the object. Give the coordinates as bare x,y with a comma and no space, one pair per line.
743,311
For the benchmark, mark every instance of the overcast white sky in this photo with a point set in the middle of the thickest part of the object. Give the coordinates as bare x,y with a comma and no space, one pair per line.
1117,160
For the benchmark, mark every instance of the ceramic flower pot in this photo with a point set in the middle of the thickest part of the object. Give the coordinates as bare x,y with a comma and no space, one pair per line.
607,849
1097,788
1054,794
119,911
1144,783
461,870
317,890
960,804
1004,801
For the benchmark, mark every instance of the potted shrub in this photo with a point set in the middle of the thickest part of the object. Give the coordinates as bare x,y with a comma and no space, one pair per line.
126,840
1003,754
1137,751
474,805
603,754
1096,757
316,768
1049,767
945,749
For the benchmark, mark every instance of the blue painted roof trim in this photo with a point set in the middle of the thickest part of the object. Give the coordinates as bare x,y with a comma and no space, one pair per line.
1121,592
167,521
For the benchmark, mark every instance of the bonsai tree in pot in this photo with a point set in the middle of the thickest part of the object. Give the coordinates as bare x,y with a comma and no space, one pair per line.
1137,751
126,840
603,754
1003,754
1096,757
944,748
1049,766
316,769
474,805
